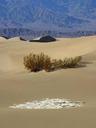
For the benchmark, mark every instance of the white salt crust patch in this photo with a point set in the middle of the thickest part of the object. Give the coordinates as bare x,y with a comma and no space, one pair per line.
48,104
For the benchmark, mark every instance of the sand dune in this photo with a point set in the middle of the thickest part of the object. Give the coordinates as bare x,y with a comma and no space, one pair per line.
18,86
2,40
14,39
12,52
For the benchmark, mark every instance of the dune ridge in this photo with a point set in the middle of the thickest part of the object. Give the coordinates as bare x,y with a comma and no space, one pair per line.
13,51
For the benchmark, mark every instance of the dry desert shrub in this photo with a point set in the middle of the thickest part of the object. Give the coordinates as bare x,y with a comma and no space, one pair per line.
38,62
71,62
66,63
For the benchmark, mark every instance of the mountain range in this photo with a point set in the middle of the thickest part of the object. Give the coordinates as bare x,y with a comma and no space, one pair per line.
53,15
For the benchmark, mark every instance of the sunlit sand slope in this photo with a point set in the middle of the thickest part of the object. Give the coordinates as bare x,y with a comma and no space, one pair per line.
13,50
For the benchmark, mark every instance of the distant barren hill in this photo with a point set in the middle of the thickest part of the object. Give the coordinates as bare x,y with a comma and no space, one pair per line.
53,15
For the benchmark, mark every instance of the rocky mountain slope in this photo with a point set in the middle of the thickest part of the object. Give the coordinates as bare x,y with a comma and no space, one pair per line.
54,15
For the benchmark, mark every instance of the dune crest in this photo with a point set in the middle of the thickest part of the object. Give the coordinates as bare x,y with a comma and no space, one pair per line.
2,39
12,53
14,39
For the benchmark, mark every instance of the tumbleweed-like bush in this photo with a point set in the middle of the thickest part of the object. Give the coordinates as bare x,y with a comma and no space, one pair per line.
38,62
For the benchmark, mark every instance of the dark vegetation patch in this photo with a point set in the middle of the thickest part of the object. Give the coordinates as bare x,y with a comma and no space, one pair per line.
38,62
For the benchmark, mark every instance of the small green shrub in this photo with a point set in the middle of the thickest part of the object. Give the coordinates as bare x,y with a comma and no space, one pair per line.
38,62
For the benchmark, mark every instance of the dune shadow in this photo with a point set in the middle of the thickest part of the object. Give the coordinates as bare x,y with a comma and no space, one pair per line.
39,41
86,62
83,64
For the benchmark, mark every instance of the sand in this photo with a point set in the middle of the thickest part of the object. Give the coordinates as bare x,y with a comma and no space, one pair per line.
17,85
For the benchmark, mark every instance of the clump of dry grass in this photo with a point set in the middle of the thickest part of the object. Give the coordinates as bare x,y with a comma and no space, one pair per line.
38,62
71,62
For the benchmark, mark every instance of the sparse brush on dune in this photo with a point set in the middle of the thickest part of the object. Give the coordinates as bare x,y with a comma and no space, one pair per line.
71,62
38,62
